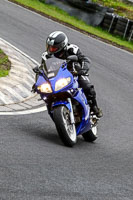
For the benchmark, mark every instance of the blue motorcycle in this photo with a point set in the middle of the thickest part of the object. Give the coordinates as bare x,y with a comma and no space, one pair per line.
65,100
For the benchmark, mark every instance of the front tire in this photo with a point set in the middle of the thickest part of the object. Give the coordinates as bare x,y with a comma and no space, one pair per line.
66,130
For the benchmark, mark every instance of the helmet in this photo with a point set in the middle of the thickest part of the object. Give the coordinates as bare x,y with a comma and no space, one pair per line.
56,42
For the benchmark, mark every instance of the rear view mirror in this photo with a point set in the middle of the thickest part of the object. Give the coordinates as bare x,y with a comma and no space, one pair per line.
37,70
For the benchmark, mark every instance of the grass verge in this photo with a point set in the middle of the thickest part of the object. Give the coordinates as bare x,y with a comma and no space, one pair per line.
122,8
5,64
57,14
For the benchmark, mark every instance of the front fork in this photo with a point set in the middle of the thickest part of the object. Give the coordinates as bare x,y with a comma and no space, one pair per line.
72,116
71,111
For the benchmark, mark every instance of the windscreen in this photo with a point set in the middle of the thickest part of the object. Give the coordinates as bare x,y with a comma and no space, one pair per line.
53,64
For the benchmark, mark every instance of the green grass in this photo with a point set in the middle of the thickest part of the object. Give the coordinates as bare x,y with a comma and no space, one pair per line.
4,64
4,73
64,17
121,8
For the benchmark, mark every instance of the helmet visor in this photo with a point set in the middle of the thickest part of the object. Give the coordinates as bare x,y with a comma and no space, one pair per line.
52,49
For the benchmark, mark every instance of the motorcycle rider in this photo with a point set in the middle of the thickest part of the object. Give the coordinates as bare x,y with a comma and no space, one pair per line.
57,45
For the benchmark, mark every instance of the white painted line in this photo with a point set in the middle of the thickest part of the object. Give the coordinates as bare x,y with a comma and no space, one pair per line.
98,40
23,76
24,90
25,112
4,99
20,79
12,91
19,50
15,80
19,66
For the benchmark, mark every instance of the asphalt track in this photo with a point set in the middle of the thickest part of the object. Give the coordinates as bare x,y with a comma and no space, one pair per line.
34,165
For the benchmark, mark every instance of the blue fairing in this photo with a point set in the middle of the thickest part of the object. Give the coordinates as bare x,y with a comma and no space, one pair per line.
40,81
70,89
85,124
67,104
62,73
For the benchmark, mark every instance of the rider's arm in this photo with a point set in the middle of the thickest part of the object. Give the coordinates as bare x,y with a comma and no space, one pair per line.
84,61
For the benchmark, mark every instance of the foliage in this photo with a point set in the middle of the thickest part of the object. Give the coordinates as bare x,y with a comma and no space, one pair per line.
121,8
4,64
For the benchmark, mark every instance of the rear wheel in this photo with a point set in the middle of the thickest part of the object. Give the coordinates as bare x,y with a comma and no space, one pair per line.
66,130
91,135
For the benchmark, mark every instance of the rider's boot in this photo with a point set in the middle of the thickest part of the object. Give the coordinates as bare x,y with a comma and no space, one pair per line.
95,109
91,97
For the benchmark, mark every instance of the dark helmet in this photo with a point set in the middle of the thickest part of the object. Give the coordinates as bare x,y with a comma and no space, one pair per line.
56,42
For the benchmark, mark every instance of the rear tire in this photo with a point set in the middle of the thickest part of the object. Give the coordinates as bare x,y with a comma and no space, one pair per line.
91,135
66,130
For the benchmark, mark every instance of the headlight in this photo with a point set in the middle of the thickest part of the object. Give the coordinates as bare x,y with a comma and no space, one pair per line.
62,83
45,88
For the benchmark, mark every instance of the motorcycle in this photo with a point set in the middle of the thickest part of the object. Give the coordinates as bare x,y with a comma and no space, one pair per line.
66,102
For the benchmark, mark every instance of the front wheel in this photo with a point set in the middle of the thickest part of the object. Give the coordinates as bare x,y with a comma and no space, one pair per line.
66,130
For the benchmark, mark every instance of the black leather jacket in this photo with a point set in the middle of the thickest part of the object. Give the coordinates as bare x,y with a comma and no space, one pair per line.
72,49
